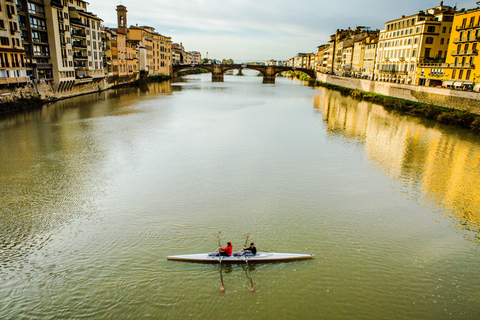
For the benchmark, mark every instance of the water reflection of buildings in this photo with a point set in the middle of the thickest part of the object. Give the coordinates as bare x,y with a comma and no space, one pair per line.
53,160
442,165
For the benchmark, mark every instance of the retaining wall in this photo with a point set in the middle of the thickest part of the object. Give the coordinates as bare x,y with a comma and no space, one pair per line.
454,99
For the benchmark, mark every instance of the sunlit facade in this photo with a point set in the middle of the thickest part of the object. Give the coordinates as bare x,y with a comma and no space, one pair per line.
412,40
461,69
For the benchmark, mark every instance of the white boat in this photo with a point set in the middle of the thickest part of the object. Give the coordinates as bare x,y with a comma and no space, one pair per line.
236,258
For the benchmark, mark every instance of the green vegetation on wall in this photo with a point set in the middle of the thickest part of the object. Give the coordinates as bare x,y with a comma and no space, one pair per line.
440,114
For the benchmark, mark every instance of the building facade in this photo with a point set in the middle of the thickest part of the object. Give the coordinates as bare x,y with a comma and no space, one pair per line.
412,40
12,54
460,69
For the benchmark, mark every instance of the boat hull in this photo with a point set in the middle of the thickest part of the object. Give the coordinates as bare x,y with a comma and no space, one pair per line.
260,257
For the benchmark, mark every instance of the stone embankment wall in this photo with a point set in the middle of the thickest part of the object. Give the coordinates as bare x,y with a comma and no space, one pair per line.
454,99
46,91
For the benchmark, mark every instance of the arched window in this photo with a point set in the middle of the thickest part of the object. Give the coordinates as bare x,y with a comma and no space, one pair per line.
429,40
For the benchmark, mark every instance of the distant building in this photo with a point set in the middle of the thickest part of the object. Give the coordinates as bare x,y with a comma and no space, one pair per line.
154,50
322,58
342,50
195,57
179,55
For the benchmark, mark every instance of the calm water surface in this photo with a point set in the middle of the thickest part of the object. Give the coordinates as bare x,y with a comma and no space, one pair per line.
96,191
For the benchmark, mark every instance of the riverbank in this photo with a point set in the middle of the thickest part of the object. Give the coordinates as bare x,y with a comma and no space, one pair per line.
446,115
441,114
33,96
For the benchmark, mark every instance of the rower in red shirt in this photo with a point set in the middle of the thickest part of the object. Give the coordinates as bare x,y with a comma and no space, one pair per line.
227,251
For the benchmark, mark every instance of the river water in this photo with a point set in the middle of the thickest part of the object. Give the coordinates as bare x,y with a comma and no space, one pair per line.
96,191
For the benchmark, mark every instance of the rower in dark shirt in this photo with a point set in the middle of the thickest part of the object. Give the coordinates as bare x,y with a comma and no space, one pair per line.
251,250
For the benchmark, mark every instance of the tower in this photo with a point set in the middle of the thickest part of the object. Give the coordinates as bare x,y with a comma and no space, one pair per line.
122,19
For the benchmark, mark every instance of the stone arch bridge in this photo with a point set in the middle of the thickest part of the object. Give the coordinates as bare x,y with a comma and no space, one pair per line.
218,70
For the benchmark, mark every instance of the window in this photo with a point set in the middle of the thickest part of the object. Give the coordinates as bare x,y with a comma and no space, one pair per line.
444,29
427,52
453,73
460,75
429,40
442,40
415,41
467,76
431,29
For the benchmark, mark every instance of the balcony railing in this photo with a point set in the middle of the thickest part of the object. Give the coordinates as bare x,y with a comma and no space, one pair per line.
433,65
77,34
77,22
79,45
57,4
465,39
79,57
470,26
465,53
79,65
393,71
462,66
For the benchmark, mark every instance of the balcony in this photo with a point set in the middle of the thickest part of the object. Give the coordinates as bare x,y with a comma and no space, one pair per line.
79,45
432,65
41,55
39,65
77,22
56,3
465,27
79,65
465,39
77,56
462,66
465,53
77,34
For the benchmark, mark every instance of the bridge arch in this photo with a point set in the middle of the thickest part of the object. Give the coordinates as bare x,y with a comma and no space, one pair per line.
218,70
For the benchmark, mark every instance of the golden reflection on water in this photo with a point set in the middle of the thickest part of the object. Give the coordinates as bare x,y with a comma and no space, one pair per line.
441,163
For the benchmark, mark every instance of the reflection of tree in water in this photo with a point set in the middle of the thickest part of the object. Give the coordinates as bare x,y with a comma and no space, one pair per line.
438,162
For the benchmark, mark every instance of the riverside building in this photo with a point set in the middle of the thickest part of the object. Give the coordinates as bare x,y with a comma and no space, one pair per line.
62,42
12,63
155,50
461,69
412,40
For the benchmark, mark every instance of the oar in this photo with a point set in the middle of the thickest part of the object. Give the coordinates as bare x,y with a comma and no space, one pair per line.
249,275
220,260
248,234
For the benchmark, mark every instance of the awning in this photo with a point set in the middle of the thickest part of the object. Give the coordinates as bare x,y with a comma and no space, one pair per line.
468,83
477,87
458,84
448,83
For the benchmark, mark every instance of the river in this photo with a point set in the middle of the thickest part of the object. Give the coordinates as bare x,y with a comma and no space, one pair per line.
96,191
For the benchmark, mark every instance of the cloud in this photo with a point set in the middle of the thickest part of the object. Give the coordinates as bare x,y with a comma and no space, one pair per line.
258,29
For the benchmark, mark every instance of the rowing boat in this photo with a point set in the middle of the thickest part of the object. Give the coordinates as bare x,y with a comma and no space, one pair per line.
236,258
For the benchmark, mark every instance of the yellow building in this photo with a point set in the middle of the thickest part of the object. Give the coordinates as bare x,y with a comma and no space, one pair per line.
12,63
461,69
322,59
155,56
412,40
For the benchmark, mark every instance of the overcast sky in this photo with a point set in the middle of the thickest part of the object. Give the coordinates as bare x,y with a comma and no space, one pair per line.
258,30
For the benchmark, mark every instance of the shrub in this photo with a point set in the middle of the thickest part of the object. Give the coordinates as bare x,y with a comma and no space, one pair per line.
448,117
475,125
465,119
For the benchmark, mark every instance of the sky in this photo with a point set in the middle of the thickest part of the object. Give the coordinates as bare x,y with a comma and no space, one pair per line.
258,30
